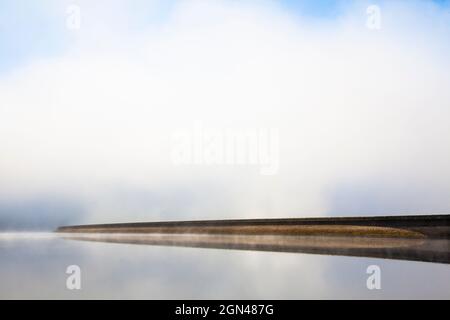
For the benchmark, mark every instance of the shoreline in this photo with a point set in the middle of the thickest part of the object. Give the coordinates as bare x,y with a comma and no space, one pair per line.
423,226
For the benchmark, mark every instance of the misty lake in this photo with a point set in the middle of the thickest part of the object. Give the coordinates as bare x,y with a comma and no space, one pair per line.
34,265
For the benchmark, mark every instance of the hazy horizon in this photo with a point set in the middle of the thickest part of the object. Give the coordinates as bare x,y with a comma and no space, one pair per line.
347,103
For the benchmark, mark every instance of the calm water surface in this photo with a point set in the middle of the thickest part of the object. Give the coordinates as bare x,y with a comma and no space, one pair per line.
33,265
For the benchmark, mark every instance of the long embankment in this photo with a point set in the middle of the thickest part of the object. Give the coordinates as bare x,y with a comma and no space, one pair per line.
412,226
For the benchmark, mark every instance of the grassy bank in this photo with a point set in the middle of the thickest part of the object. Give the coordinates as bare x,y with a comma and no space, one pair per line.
300,230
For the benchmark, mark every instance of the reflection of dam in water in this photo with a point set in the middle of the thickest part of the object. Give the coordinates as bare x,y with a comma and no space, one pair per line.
418,238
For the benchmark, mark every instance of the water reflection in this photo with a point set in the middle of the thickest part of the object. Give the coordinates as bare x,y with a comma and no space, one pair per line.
427,250
34,265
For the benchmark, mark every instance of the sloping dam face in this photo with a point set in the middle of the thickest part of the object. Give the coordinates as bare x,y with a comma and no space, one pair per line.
417,238
420,226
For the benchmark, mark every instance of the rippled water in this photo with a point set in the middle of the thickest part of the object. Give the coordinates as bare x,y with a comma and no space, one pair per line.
33,265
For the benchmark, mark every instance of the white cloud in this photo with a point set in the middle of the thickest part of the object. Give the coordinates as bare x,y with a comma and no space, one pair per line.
350,105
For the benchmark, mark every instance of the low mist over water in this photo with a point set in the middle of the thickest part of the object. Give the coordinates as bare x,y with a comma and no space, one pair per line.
118,111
